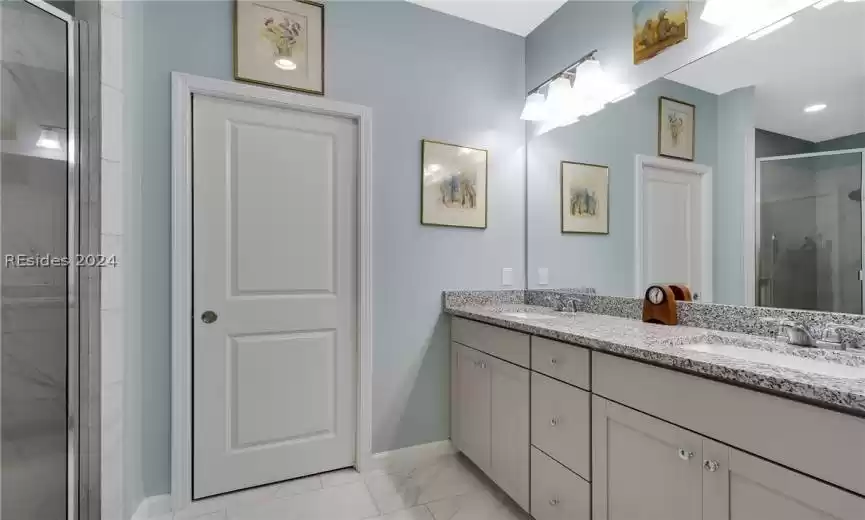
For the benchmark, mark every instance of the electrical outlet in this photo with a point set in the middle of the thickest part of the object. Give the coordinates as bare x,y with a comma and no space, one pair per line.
507,276
543,276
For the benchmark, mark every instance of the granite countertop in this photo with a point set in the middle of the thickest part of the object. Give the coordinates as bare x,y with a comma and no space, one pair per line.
836,380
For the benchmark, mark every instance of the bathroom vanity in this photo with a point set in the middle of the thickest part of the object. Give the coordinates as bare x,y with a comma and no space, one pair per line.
578,416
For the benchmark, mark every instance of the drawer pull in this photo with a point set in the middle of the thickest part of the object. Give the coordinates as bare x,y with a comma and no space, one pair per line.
554,361
480,364
711,465
554,421
554,501
685,454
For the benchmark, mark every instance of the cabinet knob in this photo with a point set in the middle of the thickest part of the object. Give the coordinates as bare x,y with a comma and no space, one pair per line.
483,364
554,421
554,361
554,501
685,454
711,465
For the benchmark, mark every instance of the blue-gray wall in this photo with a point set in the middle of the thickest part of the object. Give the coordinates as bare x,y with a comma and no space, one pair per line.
736,142
612,137
848,142
425,75
771,144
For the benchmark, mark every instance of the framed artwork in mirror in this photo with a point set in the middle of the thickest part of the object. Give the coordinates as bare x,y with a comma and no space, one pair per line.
453,185
676,123
280,43
585,198
658,25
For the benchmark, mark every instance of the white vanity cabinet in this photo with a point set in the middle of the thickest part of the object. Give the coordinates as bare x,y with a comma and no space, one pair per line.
575,434
490,405
645,468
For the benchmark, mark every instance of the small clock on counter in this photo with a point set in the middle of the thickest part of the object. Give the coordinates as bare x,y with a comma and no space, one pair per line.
659,303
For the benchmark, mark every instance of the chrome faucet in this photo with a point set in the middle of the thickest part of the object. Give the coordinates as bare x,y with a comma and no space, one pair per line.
794,333
834,336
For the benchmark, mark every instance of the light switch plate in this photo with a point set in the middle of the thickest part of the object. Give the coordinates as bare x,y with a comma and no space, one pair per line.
507,276
543,276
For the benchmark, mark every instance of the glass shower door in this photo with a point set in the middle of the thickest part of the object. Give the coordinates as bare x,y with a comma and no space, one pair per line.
810,243
35,159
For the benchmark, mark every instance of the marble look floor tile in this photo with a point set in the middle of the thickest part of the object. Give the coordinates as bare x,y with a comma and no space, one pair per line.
415,513
340,477
346,502
250,497
487,504
446,477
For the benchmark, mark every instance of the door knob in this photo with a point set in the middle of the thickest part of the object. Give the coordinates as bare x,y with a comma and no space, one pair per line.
208,317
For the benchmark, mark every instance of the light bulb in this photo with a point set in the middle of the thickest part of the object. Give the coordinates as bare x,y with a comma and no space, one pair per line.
534,108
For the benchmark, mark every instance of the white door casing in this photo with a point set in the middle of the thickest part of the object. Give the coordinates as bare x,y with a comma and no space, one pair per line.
274,263
254,296
673,228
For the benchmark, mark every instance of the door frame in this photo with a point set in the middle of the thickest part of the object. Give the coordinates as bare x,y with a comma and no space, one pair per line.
183,86
751,233
705,173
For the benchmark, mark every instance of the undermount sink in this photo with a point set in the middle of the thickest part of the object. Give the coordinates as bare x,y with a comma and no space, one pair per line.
528,315
818,366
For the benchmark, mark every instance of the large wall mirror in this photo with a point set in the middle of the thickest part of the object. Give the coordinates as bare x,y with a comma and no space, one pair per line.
739,174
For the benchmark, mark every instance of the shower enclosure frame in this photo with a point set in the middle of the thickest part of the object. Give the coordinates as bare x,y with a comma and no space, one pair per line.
752,228
83,145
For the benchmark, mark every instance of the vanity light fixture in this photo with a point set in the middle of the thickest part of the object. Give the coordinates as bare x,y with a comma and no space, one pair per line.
534,109
285,64
770,29
581,89
824,3
815,108
49,138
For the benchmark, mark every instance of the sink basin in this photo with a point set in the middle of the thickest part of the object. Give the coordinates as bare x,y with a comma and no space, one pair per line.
817,366
528,315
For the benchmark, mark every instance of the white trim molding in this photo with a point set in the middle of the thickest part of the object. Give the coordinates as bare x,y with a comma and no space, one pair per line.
183,86
158,506
705,172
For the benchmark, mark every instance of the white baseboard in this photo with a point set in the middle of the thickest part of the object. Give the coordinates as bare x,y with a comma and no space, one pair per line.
410,456
158,506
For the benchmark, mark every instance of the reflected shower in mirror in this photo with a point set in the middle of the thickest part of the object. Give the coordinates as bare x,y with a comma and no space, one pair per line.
739,175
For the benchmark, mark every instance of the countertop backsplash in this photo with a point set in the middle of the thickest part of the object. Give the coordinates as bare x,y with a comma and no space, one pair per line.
728,318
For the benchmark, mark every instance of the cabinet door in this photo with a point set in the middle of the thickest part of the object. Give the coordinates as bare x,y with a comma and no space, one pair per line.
738,486
509,464
473,405
644,468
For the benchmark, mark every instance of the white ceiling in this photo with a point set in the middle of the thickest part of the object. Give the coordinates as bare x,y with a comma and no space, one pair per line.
819,58
514,16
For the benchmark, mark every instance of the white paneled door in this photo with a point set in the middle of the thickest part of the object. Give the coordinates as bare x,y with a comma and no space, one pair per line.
675,223
274,294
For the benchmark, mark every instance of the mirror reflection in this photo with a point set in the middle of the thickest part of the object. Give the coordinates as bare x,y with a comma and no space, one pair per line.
739,175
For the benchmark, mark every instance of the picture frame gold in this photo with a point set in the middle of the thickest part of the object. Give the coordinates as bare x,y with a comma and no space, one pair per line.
451,194
669,145
249,55
588,212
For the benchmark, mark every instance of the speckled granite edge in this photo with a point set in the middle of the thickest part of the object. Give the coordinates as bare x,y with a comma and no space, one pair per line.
663,345
454,298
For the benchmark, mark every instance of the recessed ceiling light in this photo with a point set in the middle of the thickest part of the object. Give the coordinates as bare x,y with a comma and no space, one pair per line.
815,108
770,29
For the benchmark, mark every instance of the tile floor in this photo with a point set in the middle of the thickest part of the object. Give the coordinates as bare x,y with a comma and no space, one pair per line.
445,488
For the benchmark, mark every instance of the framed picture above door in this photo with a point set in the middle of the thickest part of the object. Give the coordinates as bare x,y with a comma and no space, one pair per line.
280,43
676,124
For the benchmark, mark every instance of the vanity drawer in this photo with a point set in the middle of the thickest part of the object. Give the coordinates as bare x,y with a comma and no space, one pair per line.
561,425
495,341
823,443
561,361
557,494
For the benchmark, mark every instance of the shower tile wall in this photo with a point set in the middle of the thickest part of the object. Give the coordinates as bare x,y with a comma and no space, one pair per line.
115,503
